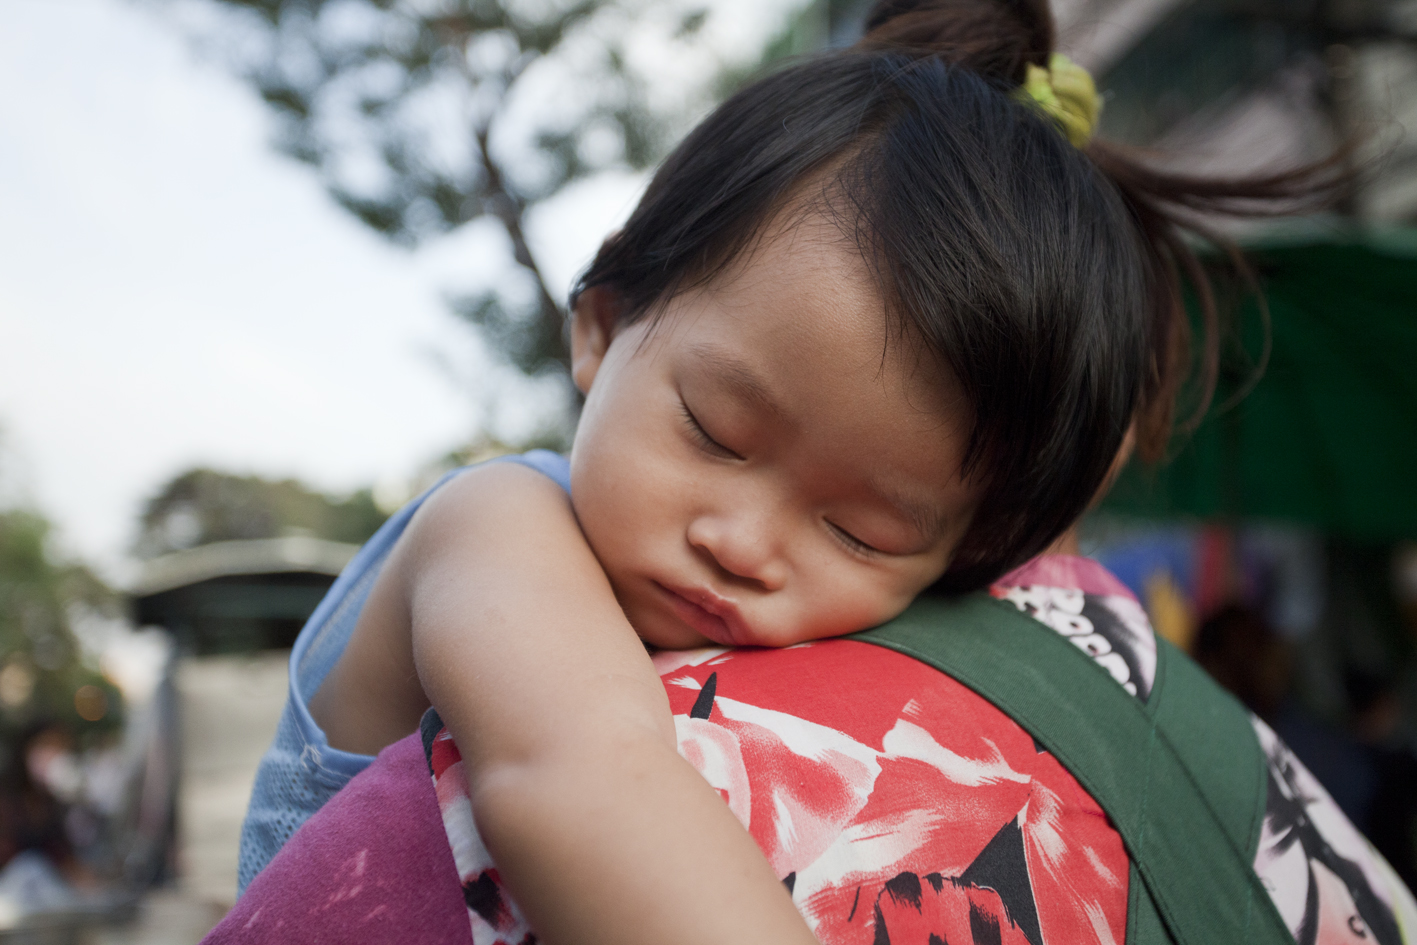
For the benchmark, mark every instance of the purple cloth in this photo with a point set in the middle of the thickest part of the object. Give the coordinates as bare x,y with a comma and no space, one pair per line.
372,866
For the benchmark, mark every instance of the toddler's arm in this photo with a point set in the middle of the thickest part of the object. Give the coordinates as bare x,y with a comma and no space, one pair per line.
599,829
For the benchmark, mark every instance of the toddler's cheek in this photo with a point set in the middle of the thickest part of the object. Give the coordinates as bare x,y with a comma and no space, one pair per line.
851,615
801,625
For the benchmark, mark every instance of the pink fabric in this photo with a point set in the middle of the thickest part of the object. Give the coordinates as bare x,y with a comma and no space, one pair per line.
372,867
895,803
1084,574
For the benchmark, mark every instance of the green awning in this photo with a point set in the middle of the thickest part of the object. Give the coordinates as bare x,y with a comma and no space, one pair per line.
1328,437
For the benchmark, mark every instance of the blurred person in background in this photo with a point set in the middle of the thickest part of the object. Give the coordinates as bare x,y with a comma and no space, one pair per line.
1372,778
31,816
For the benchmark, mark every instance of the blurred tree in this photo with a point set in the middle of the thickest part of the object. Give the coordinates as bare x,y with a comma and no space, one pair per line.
44,678
816,25
424,115
201,506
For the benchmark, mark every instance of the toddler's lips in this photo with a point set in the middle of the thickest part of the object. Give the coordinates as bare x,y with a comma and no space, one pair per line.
714,617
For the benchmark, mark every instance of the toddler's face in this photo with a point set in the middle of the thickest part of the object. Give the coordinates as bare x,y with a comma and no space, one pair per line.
760,467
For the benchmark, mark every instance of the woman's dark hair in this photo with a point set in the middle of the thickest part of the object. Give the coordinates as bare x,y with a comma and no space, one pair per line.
1046,278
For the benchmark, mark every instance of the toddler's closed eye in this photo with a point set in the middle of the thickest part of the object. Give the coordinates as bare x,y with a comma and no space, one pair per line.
853,543
702,437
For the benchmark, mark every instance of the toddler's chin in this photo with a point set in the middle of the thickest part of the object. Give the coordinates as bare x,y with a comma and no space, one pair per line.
663,635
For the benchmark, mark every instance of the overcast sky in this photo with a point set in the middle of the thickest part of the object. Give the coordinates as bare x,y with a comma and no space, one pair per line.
173,292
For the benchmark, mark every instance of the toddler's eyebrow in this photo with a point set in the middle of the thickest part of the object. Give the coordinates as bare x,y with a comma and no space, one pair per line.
738,375
928,519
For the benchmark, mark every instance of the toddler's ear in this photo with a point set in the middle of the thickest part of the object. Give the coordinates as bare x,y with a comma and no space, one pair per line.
592,327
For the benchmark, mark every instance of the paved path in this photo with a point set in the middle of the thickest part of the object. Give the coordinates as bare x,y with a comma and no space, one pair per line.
230,706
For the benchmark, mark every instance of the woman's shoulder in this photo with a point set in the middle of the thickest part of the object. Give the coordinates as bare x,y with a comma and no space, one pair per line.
1327,882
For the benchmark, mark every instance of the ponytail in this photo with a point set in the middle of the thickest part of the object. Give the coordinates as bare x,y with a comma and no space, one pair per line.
999,40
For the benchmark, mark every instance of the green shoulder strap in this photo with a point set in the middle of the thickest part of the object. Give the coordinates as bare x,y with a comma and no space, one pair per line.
1182,776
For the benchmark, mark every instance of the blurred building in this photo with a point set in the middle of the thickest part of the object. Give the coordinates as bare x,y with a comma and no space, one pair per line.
238,596
232,608
1233,85
1240,84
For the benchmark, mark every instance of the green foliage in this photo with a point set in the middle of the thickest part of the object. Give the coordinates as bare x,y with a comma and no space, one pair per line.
41,665
816,25
423,115
525,340
201,506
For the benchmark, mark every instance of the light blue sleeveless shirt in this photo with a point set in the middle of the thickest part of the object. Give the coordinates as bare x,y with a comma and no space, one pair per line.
300,771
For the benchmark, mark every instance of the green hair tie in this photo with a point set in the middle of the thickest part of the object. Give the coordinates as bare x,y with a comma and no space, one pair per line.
1064,92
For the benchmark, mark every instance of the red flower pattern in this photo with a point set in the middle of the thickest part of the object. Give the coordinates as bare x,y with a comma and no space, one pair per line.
900,807
1009,849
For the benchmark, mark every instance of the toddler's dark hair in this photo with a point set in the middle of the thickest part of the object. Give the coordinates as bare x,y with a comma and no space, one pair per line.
1044,277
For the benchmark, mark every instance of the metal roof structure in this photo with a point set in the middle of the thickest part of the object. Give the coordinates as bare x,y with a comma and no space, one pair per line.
295,553
238,596
1243,85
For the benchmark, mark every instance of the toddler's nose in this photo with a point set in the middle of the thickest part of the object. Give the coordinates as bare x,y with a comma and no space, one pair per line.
741,548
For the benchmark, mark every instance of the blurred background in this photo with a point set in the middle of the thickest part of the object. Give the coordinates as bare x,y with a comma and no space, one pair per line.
268,267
